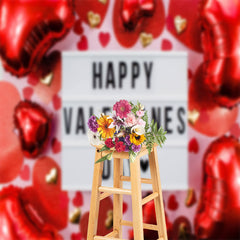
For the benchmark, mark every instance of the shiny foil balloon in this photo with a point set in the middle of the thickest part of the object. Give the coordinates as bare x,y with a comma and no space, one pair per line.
218,213
19,219
28,28
133,10
220,21
34,125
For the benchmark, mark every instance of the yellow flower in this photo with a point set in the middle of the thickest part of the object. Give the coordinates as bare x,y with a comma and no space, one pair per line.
104,122
137,139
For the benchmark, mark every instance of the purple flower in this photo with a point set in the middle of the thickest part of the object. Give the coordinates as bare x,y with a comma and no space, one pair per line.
136,148
92,124
127,140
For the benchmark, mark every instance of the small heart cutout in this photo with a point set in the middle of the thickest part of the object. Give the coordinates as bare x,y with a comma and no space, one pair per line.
76,236
166,45
83,43
144,163
78,29
56,102
146,39
78,199
172,203
52,176
75,216
193,145
25,173
27,93
125,207
180,24
104,38
56,146
94,19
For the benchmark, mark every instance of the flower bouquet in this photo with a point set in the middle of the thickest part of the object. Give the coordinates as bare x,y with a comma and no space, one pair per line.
126,130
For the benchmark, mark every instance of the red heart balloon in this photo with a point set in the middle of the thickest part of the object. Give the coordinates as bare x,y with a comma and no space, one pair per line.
46,195
133,10
28,28
34,126
220,21
210,118
19,220
137,18
218,213
11,157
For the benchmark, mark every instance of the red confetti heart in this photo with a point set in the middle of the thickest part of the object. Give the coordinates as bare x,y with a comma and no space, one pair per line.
104,38
56,102
78,199
172,203
166,45
25,173
27,93
190,74
32,79
76,236
56,146
193,145
83,43
125,207
78,29
235,130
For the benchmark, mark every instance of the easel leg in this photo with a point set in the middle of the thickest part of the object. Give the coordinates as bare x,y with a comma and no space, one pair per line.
136,199
159,208
117,198
94,206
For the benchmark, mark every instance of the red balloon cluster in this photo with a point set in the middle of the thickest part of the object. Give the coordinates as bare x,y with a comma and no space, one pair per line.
218,213
34,126
220,21
28,28
19,219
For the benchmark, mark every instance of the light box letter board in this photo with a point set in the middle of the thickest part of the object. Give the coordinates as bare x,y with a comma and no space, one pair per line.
93,82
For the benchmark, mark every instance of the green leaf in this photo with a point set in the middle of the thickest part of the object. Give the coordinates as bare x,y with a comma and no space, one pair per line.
106,157
104,148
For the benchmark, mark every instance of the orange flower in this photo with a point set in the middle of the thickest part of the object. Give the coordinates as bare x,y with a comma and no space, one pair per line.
104,122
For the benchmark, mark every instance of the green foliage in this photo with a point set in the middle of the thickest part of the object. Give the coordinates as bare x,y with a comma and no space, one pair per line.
106,157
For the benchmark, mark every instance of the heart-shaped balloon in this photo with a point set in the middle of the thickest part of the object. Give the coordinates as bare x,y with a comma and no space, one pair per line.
220,21
141,17
133,10
218,213
19,219
34,126
46,195
28,28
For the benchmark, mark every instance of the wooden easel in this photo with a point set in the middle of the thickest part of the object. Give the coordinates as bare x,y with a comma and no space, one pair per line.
99,193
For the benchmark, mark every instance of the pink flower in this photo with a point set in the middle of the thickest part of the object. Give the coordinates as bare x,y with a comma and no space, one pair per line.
140,113
131,119
122,108
141,122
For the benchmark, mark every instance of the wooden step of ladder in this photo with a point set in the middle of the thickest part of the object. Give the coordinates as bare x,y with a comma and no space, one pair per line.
100,192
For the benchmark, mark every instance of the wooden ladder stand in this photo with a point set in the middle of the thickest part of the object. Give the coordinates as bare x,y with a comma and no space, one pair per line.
99,193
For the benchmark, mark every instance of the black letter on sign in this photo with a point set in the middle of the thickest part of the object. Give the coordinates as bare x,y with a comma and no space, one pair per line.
106,170
122,72
106,110
148,71
97,75
180,114
135,73
110,75
157,117
167,119
80,121
67,119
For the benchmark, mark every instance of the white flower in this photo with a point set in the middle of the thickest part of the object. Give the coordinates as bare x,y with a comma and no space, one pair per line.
138,129
94,138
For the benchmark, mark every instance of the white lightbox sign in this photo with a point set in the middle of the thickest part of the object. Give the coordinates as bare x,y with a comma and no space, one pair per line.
93,82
